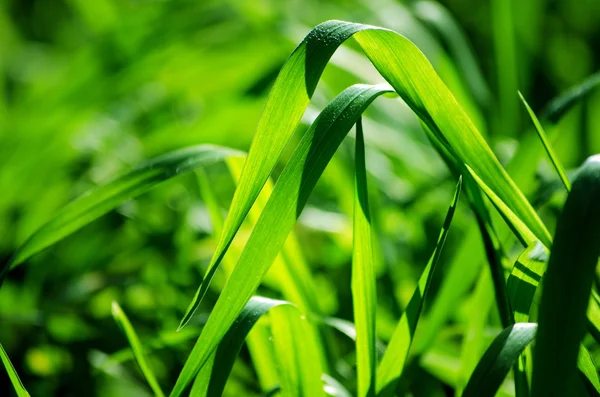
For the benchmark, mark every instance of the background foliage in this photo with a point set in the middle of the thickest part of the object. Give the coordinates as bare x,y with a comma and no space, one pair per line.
89,89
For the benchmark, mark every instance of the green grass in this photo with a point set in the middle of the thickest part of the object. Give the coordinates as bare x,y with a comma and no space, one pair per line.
314,278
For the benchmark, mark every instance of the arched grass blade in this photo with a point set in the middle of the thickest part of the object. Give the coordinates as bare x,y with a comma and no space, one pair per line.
285,106
392,363
498,360
213,376
278,218
567,286
100,200
438,17
542,135
364,294
136,346
413,78
299,365
12,374
563,103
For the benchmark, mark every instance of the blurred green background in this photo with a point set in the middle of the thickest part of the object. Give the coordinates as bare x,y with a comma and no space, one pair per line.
90,88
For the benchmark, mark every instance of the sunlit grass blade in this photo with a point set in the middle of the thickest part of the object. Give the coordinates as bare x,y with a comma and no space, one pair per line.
136,346
278,217
437,16
100,200
213,376
394,359
12,374
364,294
567,286
498,359
287,101
589,373
524,279
563,103
297,354
542,135
408,71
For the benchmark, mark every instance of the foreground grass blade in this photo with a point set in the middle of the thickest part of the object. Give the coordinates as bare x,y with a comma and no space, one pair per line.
394,358
12,374
364,294
213,376
542,135
413,78
136,346
296,353
567,286
524,279
277,219
287,101
560,105
498,360
99,201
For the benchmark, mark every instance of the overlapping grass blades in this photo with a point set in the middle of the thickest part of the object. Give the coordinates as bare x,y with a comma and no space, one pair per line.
411,76
99,201
364,294
394,359
567,286
12,374
278,217
213,376
498,360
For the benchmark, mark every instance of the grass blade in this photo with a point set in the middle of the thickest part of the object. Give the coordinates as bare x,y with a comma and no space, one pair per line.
287,101
542,135
498,359
411,75
101,200
563,103
213,376
524,279
567,285
277,219
136,346
297,354
364,294
12,374
393,361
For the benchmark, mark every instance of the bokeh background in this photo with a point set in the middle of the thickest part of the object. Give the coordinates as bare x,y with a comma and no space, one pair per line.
89,89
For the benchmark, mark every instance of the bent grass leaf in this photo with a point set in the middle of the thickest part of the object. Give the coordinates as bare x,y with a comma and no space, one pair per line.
278,218
564,102
567,286
101,200
213,376
136,346
411,75
12,374
393,360
498,359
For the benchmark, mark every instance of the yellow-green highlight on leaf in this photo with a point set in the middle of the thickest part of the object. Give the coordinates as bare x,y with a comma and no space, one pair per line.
297,354
411,75
12,374
394,359
364,293
551,155
136,346
289,197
